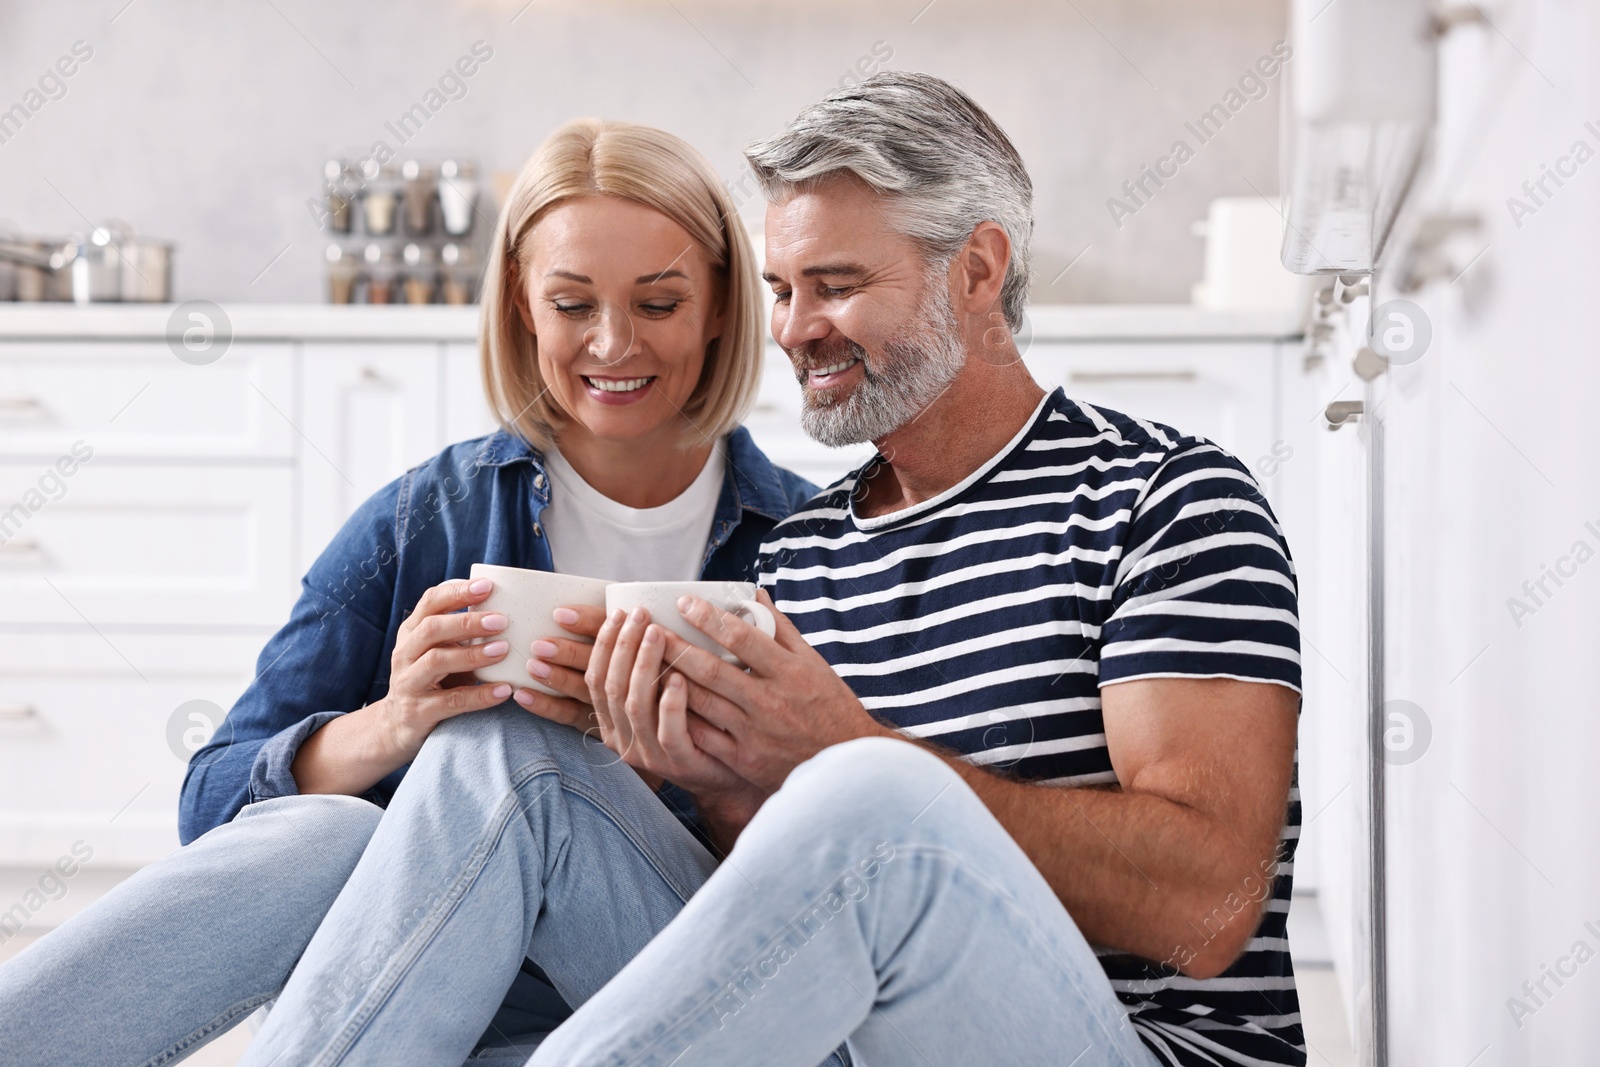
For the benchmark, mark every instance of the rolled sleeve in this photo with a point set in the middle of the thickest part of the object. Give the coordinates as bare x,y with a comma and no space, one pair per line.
270,774
1206,586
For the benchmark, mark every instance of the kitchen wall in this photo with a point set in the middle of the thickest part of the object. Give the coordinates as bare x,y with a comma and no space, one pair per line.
209,123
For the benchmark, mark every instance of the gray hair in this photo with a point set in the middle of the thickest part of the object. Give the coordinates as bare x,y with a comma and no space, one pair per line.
919,140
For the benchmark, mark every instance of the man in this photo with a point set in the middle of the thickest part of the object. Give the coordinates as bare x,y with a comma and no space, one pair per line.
1034,686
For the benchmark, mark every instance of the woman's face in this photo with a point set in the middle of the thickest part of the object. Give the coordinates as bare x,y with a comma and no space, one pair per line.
623,303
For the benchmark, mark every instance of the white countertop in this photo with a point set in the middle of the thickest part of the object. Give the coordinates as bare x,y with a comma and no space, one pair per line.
265,322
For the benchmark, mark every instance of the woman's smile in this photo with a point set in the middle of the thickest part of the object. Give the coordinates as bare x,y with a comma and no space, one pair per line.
613,390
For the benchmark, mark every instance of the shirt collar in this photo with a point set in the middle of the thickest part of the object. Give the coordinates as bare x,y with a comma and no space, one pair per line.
755,481
501,448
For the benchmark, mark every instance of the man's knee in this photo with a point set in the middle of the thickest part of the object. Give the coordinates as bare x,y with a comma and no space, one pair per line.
872,782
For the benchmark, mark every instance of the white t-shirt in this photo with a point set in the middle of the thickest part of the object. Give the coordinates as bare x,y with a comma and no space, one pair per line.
592,535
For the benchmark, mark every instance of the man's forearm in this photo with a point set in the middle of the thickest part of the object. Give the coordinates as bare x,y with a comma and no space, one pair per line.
1137,872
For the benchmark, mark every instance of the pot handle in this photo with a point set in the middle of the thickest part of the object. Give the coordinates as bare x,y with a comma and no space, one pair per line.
25,256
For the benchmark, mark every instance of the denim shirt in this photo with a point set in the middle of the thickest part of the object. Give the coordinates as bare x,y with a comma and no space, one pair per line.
477,501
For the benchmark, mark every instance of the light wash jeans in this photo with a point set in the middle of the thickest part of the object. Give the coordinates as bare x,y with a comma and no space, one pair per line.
874,900
186,947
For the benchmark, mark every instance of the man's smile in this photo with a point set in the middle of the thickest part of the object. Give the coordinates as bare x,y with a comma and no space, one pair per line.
832,374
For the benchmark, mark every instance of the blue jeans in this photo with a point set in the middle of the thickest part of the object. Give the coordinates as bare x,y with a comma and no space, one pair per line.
873,899
188,946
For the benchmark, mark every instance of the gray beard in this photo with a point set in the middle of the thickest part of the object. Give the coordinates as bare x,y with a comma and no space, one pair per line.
915,369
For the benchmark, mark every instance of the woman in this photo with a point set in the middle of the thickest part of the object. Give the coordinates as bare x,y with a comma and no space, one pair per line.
621,343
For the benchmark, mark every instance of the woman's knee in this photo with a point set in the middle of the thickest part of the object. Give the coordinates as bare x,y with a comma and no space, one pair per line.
505,736
328,823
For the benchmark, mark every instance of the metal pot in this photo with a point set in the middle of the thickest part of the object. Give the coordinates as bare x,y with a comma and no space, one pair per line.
97,268
8,269
147,270
111,265
44,267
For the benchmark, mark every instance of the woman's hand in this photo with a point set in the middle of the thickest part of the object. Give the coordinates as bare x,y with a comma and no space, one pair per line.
561,665
430,677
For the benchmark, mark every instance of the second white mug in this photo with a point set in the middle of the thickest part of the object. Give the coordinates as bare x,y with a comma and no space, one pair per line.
660,599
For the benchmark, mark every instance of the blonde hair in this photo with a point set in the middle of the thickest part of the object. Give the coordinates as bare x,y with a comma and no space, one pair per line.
600,157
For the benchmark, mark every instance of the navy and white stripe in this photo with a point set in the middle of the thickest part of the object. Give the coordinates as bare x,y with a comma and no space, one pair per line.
1094,548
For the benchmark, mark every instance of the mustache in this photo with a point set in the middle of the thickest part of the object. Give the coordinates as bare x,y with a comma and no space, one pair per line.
814,354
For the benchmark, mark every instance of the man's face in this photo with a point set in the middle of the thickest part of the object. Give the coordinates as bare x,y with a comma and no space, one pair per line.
865,318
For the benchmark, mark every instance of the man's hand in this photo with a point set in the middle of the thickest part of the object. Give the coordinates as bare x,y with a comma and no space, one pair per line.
561,664
641,706
786,708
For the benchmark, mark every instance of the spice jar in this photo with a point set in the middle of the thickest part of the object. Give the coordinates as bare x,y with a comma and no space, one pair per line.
381,199
343,269
458,195
381,272
418,197
460,274
336,185
421,273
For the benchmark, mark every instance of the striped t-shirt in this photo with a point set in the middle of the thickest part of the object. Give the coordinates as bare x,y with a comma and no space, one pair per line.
1095,547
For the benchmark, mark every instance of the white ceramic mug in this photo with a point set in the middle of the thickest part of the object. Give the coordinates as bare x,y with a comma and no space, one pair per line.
527,599
660,599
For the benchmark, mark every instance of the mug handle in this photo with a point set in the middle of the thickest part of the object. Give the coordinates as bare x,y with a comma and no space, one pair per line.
756,614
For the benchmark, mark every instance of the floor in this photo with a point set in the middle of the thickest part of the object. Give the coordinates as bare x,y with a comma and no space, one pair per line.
1322,1011
1321,1003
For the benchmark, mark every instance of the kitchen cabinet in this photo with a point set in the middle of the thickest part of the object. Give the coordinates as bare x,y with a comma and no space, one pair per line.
370,411
95,731
1224,391
172,545
153,579
135,400
463,410
1491,615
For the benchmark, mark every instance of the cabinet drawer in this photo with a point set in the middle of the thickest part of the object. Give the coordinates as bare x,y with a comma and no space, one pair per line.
1221,391
137,399
91,751
119,545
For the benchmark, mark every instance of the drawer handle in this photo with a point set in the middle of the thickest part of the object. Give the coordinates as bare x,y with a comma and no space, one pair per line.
17,712
1342,411
11,405
18,546
1099,376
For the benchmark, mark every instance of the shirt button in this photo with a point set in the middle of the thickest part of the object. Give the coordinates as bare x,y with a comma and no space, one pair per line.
538,531
538,481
